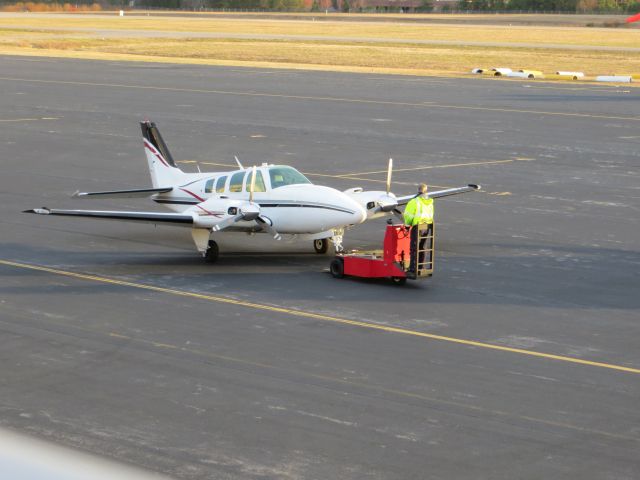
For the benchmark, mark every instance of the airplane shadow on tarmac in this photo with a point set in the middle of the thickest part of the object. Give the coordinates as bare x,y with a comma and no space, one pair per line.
520,274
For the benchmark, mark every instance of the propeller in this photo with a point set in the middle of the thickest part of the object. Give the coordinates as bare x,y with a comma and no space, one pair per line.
267,225
227,222
252,187
248,212
387,203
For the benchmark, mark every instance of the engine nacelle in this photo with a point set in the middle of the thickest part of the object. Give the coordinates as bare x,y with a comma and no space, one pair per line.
214,210
374,201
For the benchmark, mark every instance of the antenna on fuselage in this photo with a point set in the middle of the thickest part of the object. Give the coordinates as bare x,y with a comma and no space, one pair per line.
238,162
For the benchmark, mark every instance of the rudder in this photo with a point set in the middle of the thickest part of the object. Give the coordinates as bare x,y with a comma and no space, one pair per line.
162,167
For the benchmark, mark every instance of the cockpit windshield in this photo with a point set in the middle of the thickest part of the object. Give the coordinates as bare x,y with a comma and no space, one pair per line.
281,176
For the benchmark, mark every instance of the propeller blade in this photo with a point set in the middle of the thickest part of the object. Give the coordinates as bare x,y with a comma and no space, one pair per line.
266,224
226,223
389,170
253,184
238,162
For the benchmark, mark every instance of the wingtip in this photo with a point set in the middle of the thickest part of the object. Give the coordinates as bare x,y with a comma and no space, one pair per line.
474,186
38,211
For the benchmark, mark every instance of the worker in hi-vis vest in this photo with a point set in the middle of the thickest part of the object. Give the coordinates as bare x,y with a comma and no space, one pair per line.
419,211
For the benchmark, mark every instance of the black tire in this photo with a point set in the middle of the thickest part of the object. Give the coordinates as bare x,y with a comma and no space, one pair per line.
398,280
321,245
337,268
211,255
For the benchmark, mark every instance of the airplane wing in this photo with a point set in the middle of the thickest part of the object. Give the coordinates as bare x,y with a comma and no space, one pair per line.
144,217
136,193
441,193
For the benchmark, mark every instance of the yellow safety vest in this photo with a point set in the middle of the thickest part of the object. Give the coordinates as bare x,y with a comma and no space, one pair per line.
419,210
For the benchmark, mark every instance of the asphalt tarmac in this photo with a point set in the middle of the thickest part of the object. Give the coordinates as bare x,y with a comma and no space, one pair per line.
520,358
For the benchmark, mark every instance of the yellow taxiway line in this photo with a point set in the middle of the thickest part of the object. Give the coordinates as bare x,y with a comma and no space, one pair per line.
311,174
20,120
428,105
345,177
128,339
319,316
430,167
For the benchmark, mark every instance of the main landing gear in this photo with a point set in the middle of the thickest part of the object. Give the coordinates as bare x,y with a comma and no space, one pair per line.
212,252
321,245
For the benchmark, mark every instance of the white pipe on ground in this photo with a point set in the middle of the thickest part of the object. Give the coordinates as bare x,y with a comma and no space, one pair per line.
614,78
499,71
516,75
571,74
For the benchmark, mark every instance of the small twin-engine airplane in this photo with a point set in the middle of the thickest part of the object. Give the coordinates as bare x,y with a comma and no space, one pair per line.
276,199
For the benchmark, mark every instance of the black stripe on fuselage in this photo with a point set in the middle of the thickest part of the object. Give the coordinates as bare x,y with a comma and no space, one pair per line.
303,205
176,202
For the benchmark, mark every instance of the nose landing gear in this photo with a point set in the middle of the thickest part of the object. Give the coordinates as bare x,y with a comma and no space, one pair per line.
321,245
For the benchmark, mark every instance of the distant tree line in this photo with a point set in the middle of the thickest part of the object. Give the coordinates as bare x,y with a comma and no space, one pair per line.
50,2
277,5
550,5
631,6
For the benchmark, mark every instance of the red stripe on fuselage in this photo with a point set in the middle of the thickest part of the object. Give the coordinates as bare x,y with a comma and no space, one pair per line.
192,194
215,214
155,152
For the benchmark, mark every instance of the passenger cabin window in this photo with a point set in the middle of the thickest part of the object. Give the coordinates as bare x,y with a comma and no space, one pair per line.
282,176
220,184
208,187
235,185
259,187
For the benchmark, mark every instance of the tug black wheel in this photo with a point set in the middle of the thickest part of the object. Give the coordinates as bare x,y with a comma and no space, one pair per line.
398,280
337,268
211,255
321,245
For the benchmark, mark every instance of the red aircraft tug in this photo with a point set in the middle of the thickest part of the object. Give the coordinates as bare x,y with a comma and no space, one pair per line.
393,261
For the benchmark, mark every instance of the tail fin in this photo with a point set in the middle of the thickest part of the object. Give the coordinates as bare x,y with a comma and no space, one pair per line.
162,167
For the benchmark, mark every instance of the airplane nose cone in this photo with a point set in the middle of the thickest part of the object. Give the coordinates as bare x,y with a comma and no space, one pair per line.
359,214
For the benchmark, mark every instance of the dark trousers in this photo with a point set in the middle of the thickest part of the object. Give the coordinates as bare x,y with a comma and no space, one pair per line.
414,245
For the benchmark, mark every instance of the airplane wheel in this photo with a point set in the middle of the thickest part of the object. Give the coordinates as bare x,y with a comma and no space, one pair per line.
211,255
337,268
398,280
321,245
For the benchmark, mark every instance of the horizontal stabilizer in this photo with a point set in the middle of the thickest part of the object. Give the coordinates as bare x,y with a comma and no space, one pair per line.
144,217
136,193
442,193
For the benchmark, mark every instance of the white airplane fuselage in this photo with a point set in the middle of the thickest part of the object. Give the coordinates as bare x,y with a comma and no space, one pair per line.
293,209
